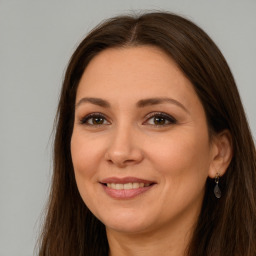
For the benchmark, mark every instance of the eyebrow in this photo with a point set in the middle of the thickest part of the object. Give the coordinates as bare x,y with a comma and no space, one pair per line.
95,101
156,101
140,104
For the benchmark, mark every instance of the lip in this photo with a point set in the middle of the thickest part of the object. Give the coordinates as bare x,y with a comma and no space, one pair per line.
126,180
125,194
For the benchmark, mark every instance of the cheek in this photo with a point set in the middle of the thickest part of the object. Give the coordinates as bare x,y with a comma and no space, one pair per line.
84,154
85,158
182,163
183,159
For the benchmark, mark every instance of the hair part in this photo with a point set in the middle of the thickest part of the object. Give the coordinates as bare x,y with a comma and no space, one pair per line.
226,226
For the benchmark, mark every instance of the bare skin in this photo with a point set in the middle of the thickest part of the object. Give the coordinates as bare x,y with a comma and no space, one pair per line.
137,119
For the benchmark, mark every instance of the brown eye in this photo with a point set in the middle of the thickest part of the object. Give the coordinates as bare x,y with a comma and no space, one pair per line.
97,120
94,119
160,119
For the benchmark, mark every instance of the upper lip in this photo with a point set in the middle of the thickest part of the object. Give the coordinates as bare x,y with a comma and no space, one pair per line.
125,180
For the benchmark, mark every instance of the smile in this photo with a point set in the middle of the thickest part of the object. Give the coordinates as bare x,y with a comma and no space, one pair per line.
127,185
126,188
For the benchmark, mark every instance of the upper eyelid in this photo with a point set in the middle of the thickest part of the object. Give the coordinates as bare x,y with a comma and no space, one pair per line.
157,113
91,115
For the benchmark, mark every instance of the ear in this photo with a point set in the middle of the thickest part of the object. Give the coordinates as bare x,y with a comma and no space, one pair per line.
222,152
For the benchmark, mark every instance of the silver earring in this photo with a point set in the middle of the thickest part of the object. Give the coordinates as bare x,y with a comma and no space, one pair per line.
217,191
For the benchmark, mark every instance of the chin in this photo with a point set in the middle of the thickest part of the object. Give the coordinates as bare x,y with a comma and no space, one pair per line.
128,228
127,222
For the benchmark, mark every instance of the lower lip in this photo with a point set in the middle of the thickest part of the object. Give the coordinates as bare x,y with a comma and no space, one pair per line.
125,193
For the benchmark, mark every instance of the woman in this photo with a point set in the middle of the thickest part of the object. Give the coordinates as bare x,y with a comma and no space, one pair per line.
153,154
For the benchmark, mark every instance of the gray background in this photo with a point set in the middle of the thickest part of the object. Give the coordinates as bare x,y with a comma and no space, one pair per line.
36,40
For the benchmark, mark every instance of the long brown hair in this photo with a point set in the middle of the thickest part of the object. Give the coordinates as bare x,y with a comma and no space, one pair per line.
226,226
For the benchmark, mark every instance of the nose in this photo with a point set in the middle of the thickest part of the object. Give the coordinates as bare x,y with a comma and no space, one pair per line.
125,148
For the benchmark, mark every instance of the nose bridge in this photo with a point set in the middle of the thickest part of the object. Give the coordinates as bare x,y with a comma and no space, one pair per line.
124,148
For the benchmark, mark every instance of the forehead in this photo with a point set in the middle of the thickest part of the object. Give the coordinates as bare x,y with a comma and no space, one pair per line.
141,71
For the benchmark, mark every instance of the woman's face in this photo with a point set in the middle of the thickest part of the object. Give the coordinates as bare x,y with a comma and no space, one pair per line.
140,145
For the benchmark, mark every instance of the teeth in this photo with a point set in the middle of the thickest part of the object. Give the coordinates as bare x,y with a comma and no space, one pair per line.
135,185
127,185
119,186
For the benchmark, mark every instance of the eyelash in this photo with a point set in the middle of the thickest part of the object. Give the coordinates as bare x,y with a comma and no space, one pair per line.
170,119
163,116
85,119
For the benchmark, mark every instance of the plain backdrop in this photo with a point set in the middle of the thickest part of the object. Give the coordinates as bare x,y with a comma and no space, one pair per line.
37,39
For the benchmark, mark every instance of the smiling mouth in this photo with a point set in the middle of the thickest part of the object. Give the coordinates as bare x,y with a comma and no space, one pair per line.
127,186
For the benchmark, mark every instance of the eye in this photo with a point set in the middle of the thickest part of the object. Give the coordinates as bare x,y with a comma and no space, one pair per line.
160,119
94,119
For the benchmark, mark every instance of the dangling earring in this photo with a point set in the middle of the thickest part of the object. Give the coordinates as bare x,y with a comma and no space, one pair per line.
217,191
